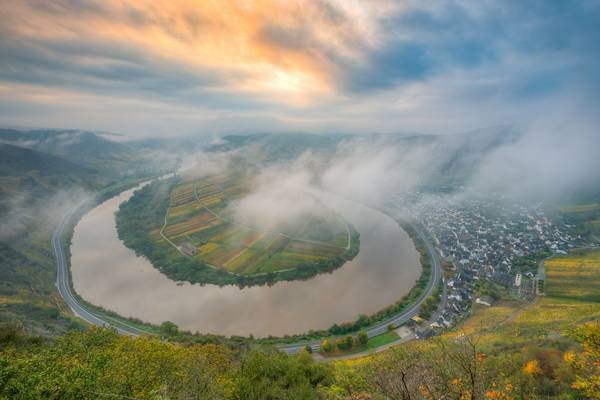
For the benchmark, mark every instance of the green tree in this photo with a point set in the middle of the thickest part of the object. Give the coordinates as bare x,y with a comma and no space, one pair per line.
363,338
345,343
168,328
326,346
274,375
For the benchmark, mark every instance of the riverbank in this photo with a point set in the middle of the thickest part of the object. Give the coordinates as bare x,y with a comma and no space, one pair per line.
186,336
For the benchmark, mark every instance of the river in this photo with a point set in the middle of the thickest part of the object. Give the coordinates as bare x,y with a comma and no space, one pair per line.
110,275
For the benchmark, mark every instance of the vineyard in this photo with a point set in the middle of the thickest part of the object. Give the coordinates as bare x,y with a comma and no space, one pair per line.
201,225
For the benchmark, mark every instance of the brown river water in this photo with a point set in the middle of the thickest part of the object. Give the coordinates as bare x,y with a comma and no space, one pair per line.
110,275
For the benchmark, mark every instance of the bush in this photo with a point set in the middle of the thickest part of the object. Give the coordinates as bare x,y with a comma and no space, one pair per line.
345,343
363,338
326,346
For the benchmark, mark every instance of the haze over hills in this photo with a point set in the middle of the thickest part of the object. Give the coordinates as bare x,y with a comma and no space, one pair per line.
47,174
320,200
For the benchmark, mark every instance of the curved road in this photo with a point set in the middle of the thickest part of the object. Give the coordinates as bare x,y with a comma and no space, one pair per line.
397,319
64,289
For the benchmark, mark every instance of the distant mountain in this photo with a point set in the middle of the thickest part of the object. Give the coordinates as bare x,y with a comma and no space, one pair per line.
18,160
94,150
71,144
272,147
29,175
461,155
453,158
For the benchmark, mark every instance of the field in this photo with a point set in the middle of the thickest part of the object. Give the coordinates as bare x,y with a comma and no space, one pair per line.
572,298
574,277
381,340
201,225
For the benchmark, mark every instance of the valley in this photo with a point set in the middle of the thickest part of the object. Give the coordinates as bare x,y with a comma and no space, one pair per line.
299,200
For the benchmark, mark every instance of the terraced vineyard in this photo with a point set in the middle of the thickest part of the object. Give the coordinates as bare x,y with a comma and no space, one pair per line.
200,224
575,276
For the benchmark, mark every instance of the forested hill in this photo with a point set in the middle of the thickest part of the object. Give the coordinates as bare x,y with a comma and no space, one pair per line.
44,174
272,147
67,143
95,151
18,161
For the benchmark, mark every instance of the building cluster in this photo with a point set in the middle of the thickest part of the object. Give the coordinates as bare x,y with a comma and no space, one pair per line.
482,240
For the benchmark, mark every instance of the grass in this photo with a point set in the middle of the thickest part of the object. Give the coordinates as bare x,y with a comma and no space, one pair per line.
383,339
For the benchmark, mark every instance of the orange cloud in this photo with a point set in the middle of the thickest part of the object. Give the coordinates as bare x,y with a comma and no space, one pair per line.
285,49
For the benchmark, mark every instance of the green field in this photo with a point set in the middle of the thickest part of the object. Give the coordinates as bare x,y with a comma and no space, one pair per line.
383,339
200,224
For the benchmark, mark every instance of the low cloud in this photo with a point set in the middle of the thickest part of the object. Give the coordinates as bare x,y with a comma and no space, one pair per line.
25,214
279,198
556,157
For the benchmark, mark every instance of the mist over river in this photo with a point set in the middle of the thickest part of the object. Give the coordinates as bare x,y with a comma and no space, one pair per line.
108,274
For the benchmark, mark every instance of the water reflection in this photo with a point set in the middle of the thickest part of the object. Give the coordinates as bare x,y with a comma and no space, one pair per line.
108,274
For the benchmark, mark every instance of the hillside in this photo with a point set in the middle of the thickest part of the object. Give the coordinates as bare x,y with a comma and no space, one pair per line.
30,173
36,188
93,150
453,159
67,143
269,147
39,183
16,160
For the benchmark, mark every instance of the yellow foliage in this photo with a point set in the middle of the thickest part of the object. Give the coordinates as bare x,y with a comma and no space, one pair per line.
532,367
569,357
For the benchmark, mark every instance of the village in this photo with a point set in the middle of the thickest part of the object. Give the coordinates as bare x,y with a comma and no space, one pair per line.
489,248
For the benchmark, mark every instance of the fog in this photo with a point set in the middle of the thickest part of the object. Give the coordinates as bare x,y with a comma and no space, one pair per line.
554,157
279,197
27,214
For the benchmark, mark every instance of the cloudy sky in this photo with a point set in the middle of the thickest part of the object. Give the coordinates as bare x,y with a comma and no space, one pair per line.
176,67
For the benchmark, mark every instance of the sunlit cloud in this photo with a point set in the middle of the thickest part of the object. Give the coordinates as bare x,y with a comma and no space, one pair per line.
322,65
258,46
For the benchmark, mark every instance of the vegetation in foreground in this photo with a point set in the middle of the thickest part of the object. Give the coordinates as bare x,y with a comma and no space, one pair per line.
546,350
101,364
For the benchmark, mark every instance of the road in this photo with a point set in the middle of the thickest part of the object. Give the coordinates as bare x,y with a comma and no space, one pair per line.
64,288
397,319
